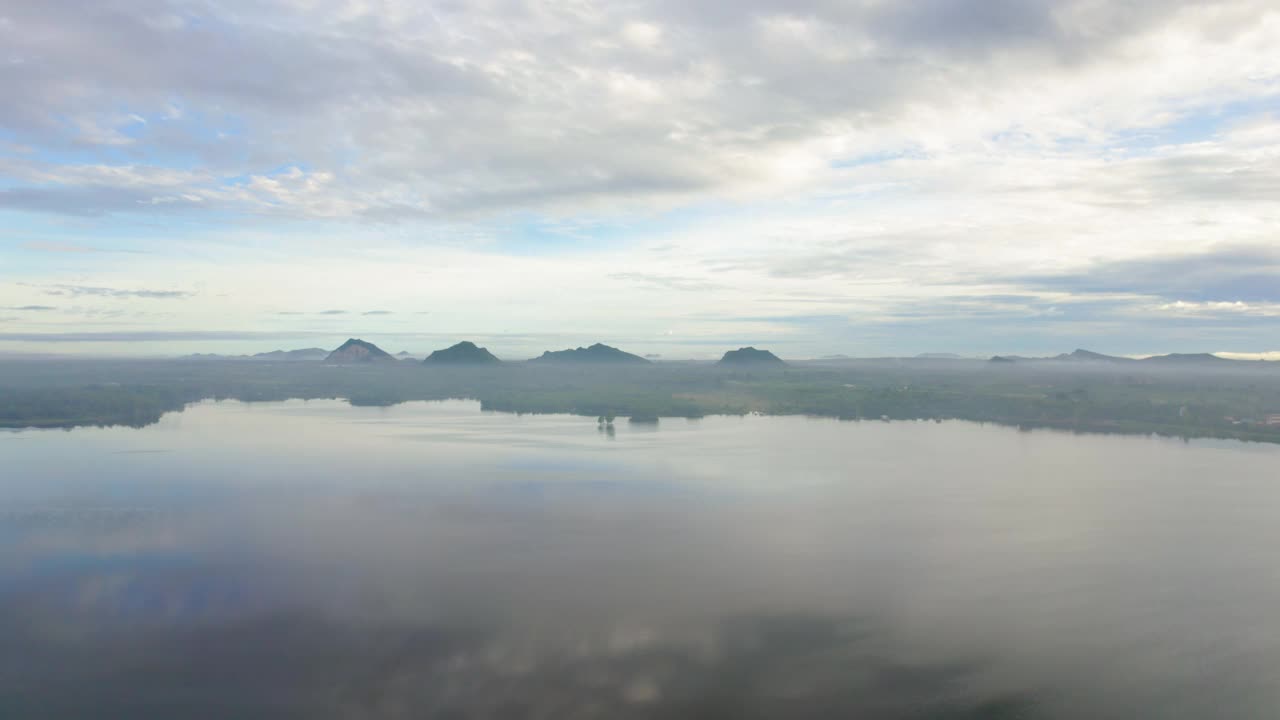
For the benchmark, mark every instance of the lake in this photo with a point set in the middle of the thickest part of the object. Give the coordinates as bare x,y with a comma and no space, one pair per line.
315,560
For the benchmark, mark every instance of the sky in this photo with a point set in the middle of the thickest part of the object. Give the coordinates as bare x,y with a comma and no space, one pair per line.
819,177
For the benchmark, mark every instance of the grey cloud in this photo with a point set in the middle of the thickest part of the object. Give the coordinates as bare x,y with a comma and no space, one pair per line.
235,55
86,200
666,282
153,336
1180,178
784,319
69,248
333,312
1247,274
80,290
427,109
33,308
864,259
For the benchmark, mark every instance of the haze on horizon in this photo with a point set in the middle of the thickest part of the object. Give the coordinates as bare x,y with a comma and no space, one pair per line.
814,177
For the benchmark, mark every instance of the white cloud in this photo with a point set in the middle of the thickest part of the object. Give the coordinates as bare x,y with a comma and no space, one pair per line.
642,34
829,159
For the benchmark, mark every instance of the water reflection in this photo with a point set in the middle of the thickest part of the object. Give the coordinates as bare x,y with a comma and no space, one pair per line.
300,665
429,560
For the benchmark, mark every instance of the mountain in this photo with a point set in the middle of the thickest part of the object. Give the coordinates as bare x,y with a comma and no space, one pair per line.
358,351
209,356
596,354
464,353
301,355
1184,359
939,356
749,356
1090,356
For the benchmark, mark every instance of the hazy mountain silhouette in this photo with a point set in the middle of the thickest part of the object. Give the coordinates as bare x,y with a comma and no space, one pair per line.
1185,358
1088,356
596,354
301,355
464,353
749,356
1080,355
358,351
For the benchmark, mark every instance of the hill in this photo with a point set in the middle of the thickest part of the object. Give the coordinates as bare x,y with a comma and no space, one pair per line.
749,356
358,351
1185,359
464,353
1090,356
598,354
301,355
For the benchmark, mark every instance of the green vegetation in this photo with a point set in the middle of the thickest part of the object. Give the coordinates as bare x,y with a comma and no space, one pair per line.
98,405
1230,400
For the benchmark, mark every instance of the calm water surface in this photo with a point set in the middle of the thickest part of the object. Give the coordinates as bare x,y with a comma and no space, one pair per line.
314,560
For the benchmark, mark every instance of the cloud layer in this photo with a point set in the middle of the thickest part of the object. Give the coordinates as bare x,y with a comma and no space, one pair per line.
883,163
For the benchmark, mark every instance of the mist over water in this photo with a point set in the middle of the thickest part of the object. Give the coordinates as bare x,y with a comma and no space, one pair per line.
315,560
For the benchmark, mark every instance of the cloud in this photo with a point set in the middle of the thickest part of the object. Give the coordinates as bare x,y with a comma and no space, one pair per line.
125,336
1268,355
33,308
71,248
334,312
80,201
666,282
1037,169
1234,275
397,110
89,290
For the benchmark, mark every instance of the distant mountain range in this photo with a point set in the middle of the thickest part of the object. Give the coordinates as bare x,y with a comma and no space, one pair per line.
598,354
300,355
750,357
1088,356
303,355
464,353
